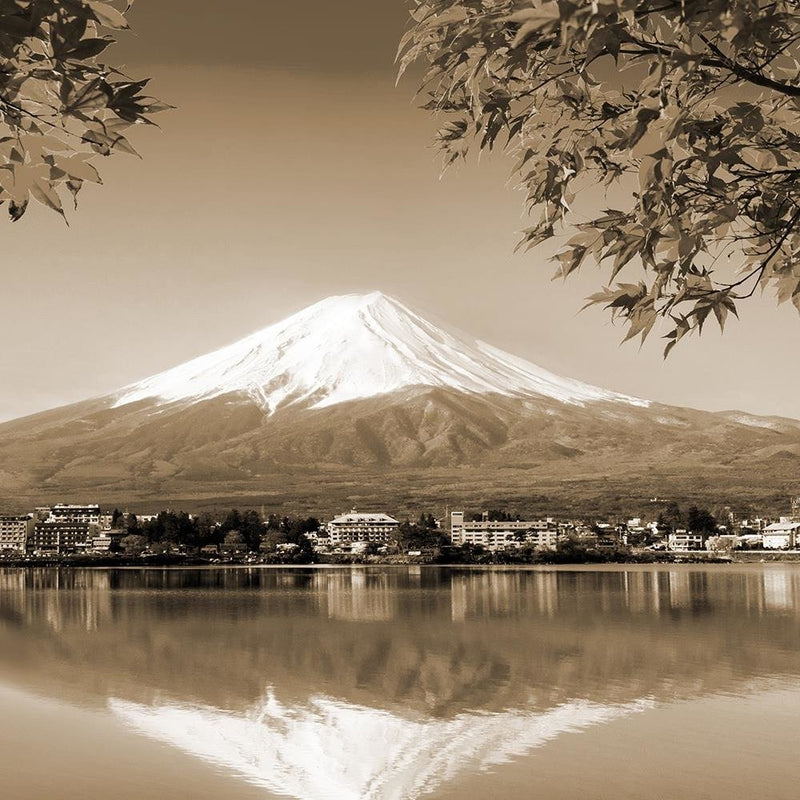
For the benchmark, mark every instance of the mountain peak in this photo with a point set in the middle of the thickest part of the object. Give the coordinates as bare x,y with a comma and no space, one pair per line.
355,346
342,304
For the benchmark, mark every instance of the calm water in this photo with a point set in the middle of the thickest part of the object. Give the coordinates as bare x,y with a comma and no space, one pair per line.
667,682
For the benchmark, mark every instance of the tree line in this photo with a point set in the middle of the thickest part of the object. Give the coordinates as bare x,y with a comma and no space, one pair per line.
244,530
247,531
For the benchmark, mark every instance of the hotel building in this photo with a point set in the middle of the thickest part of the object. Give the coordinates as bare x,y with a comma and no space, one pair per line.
496,535
355,527
14,533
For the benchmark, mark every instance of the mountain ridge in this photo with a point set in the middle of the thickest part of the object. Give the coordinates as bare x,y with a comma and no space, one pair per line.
447,412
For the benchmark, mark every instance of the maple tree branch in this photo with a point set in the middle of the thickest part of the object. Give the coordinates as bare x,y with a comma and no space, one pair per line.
720,62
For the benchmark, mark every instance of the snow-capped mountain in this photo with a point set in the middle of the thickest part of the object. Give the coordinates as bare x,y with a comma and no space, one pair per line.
359,397
353,347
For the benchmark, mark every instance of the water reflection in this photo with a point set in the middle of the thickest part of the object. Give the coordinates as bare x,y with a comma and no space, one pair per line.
326,748
287,676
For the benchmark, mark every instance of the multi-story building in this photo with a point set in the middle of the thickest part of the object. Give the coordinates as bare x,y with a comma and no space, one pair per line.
682,541
14,533
89,514
355,527
497,535
60,537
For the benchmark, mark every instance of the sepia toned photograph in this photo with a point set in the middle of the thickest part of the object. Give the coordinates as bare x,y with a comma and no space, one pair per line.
398,400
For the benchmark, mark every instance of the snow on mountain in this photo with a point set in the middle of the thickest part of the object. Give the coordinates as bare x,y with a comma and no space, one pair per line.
352,347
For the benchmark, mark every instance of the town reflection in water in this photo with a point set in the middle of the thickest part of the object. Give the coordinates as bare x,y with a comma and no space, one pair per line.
386,683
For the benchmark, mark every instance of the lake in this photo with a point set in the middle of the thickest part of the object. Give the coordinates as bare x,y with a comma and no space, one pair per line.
394,683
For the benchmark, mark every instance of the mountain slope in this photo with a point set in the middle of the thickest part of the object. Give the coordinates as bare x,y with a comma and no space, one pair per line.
353,347
359,400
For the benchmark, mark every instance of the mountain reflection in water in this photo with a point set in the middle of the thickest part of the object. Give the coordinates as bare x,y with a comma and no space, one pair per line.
386,683
326,748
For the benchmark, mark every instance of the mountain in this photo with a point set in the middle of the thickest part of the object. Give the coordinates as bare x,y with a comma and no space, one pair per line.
358,400
354,347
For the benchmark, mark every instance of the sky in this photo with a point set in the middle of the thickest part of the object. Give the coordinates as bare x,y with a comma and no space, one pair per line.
292,169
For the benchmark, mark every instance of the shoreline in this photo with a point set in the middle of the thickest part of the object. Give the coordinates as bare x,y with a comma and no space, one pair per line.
191,562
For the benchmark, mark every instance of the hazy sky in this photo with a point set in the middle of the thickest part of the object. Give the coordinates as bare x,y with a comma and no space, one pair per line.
294,169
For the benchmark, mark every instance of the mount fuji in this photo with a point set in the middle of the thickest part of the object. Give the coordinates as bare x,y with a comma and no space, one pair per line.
358,399
353,347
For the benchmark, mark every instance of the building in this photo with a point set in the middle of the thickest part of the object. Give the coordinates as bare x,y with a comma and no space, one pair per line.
320,540
497,535
58,538
355,527
682,541
89,515
783,535
101,543
107,539
14,533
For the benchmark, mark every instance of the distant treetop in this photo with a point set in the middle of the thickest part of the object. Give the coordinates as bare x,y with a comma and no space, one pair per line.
692,108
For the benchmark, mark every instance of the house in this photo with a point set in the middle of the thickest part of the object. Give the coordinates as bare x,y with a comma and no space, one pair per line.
319,539
783,535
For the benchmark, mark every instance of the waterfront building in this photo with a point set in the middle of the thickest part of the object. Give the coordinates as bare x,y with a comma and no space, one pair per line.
14,533
682,541
355,527
320,540
59,538
101,543
783,535
497,535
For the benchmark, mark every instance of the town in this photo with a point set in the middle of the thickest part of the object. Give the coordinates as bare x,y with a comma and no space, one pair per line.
71,532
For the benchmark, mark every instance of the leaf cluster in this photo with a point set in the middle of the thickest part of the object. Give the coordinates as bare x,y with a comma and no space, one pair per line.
60,105
691,109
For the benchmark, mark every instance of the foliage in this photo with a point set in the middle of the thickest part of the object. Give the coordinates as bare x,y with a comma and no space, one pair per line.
242,530
701,520
235,540
690,109
496,515
420,537
133,543
670,518
60,107
170,528
247,524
